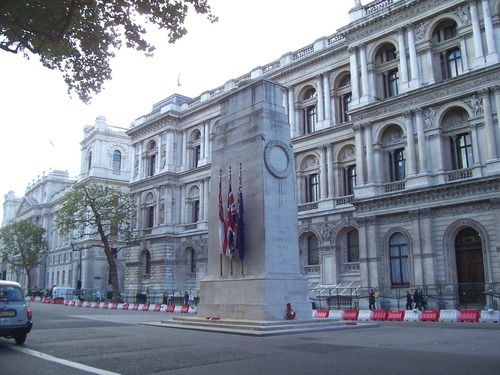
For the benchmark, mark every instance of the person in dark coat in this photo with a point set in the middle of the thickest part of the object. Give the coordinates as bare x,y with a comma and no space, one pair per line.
416,299
371,300
409,300
186,299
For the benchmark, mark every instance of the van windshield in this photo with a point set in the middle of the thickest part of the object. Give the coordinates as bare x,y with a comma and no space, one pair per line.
10,293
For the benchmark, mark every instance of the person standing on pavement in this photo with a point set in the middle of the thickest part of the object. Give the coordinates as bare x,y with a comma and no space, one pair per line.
371,300
416,299
409,300
186,299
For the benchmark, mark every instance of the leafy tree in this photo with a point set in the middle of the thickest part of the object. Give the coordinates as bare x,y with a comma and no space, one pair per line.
98,216
78,37
23,246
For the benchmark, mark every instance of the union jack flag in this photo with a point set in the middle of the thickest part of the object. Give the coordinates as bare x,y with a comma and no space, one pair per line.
231,221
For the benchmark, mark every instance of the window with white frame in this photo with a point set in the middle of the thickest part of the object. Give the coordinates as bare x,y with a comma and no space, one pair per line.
446,44
399,259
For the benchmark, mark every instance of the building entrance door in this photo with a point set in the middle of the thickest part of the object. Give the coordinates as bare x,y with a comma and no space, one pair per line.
470,267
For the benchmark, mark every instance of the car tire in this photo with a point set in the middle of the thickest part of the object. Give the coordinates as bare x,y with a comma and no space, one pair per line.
20,339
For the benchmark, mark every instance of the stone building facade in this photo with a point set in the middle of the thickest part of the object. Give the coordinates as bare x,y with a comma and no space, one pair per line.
396,137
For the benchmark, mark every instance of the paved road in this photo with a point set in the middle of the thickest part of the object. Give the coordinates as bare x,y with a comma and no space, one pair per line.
73,340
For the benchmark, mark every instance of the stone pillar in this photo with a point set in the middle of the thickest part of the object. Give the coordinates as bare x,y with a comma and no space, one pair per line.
476,34
322,173
415,72
412,168
331,181
364,71
254,131
488,124
422,146
492,56
328,100
354,75
402,59
321,102
360,163
370,165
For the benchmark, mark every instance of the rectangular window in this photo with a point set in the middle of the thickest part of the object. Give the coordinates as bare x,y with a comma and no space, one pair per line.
350,179
312,188
461,146
391,83
196,156
398,164
310,120
451,63
196,211
152,165
151,217
345,101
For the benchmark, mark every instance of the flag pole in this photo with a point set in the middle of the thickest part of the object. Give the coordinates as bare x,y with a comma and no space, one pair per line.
220,248
240,196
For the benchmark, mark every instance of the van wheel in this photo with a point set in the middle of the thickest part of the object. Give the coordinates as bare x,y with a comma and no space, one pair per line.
20,339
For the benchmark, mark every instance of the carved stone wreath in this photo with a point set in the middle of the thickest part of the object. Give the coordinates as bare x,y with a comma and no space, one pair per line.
278,158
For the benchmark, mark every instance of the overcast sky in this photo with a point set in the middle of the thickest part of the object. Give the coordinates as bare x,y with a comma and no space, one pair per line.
42,126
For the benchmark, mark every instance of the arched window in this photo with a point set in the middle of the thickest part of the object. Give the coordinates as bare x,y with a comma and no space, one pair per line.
345,97
387,68
312,250
308,103
457,139
447,47
117,160
399,259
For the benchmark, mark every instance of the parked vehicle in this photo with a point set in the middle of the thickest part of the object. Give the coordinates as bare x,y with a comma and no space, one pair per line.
61,294
15,316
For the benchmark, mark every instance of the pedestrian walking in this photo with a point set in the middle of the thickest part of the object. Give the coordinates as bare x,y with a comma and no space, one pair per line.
371,300
416,299
186,299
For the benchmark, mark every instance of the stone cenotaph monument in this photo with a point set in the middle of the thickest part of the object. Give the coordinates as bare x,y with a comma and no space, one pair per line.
254,131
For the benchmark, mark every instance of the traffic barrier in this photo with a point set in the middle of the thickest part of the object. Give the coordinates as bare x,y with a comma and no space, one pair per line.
184,309
145,307
80,303
490,316
136,307
471,316
365,315
351,314
322,314
59,301
88,304
170,308
429,316
106,305
72,303
66,302
336,315
114,306
380,315
448,316
97,304
157,308
412,315
396,316
125,306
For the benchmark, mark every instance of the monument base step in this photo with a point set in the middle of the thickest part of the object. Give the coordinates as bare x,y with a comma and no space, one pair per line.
259,328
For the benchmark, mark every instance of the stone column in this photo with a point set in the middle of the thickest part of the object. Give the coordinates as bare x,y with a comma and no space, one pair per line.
422,146
415,71
402,58
370,165
354,74
475,145
328,100
184,151
323,175
331,181
364,71
291,113
360,160
492,56
488,123
412,169
476,34
321,107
